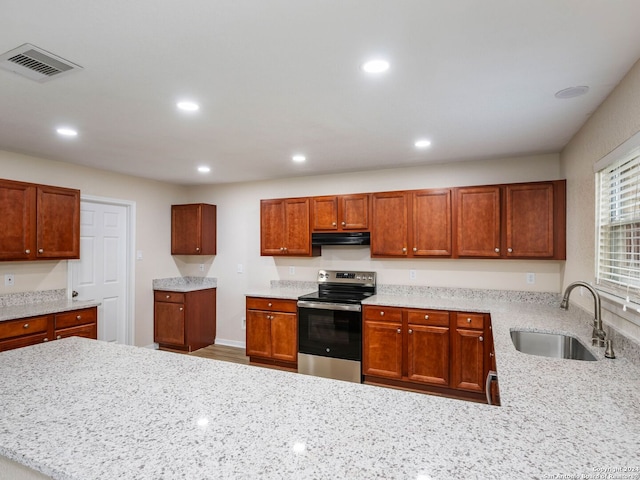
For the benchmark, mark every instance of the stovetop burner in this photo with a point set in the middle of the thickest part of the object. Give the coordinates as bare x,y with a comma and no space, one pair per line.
340,286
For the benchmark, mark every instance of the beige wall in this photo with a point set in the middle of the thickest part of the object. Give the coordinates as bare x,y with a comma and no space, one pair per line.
153,206
239,235
616,120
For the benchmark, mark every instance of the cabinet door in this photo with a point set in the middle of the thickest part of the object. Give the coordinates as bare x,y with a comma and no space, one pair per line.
169,323
354,212
468,360
478,229
193,229
382,352
530,226
58,225
17,211
272,227
284,336
258,334
389,224
297,228
324,213
431,215
428,354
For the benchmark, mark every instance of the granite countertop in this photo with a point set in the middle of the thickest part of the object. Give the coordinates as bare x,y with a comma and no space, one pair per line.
13,312
285,293
80,409
184,284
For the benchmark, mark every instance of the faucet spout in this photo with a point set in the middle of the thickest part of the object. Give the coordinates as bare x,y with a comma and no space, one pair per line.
598,336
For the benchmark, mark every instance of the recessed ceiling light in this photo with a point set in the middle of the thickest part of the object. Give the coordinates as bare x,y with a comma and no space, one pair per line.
204,169
188,106
422,143
572,92
67,132
298,158
377,65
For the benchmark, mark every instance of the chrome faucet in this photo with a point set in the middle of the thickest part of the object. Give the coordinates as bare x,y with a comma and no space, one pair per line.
598,335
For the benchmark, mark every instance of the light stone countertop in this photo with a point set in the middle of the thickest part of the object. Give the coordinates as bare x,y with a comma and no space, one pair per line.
80,409
184,284
43,308
284,293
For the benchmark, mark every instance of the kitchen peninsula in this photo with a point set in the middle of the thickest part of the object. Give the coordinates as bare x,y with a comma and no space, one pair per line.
79,409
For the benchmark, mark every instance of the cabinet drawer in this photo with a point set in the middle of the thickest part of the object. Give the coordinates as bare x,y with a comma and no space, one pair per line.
428,317
23,341
75,318
470,320
386,314
22,327
172,297
272,304
86,331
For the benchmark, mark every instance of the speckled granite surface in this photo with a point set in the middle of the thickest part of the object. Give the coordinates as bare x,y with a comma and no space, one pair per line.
31,304
184,284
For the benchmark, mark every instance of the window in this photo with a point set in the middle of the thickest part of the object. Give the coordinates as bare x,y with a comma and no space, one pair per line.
618,265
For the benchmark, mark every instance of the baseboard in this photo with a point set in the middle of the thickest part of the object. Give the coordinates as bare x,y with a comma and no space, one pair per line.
230,343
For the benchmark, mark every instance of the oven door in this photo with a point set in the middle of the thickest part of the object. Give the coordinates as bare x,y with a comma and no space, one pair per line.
330,330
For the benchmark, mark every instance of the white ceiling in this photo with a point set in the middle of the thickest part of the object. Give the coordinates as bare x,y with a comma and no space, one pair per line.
278,77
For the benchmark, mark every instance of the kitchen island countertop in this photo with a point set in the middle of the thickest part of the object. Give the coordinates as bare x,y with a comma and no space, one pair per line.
44,308
83,409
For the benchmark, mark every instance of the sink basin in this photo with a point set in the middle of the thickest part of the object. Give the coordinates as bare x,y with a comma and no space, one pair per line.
554,345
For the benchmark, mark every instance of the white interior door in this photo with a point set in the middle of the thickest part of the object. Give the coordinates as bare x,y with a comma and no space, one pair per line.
102,272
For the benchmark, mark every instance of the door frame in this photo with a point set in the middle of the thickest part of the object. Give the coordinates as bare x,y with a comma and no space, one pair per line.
130,207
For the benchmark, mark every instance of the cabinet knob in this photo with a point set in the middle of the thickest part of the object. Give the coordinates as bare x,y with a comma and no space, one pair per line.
410,331
270,304
468,320
510,250
399,330
426,317
45,340
491,354
480,339
344,224
282,249
497,250
26,325
40,250
197,249
333,224
181,308
58,337
168,296
78,317
404,249
415,249
27,251
381,313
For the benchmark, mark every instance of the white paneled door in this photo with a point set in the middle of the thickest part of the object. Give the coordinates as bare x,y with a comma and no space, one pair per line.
102,273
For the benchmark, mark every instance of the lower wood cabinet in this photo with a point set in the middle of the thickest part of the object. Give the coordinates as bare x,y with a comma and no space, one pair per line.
33,330
184,320
428,350
272,332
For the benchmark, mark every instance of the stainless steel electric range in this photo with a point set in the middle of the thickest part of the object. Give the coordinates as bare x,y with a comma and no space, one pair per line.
330,325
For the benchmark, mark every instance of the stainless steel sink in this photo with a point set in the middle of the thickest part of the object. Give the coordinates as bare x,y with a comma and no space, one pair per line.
554,345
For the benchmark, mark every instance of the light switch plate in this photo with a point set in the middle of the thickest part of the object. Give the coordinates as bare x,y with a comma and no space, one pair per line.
9,280
531,278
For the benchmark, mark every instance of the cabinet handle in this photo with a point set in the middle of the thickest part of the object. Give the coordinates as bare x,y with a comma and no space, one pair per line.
78,317
468,320
334,224
410,331
415,249
181,308
404,249
510,250
399,330
58,337
426,317
491,354
26,325
344,224
197,249
480,339
282,249
168,296
497,250
27,251
270,304
45,340
382,314
40,250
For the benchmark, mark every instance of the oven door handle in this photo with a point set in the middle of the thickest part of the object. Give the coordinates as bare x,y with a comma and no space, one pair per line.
330,306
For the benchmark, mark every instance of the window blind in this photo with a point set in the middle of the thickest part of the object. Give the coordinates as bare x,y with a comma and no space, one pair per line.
619,227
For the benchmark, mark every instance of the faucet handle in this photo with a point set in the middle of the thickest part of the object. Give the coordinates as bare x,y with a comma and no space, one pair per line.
608,351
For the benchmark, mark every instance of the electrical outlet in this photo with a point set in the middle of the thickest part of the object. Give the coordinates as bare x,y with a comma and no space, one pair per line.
531,278
292,270
9,280
412,274
201,267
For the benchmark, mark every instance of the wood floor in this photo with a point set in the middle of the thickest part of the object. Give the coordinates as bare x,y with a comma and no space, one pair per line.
220,352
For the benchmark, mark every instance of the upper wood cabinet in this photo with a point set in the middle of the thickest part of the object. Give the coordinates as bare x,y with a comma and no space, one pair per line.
193,229
39,222
511,221
340,213
285,227
411,224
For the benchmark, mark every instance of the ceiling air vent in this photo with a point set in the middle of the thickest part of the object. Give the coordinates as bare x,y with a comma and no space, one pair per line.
35,63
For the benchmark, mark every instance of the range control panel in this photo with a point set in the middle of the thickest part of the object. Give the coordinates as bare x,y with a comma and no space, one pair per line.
345,276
